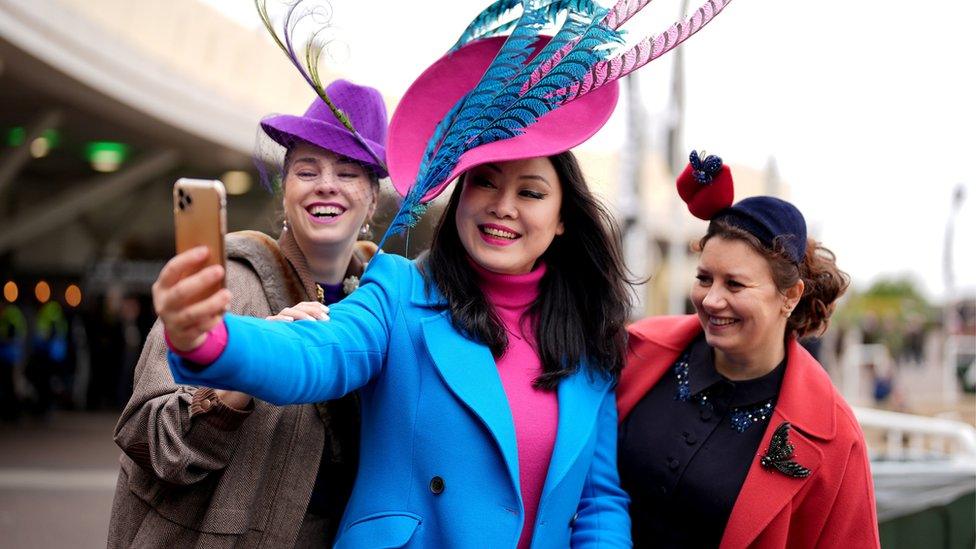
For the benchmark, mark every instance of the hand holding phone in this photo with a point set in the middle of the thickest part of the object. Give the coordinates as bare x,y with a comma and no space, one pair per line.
200,217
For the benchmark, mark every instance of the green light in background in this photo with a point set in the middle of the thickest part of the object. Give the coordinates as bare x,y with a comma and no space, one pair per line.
16,136
106,156
52,136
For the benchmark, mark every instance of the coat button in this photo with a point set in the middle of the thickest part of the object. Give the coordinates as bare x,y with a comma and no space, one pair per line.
705,414
690,439
436,485
572,520
673,464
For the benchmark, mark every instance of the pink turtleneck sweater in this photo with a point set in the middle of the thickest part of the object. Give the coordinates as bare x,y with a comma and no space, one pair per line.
535,412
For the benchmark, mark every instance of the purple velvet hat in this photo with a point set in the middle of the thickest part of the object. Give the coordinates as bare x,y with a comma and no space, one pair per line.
362,104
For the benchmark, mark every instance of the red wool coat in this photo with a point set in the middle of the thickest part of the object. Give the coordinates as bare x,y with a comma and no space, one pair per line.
834,506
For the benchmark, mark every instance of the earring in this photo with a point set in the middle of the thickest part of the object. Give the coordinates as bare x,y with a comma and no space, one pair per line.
364,230
788,313
284,226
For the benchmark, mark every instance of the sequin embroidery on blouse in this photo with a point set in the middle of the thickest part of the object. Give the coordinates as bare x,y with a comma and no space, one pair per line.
741,418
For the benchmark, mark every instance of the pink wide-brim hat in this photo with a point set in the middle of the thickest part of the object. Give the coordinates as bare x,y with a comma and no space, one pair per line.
436,91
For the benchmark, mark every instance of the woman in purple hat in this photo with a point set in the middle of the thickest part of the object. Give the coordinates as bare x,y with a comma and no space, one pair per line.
218,468
731,434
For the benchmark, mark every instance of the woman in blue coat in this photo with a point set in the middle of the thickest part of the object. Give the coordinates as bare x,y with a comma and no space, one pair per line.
485,370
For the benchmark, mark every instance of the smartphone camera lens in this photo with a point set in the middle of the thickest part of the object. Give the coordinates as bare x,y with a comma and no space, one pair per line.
189,200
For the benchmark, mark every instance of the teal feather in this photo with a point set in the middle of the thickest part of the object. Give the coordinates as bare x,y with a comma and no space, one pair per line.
486,23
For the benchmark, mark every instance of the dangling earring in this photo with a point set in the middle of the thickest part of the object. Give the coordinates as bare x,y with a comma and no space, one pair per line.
284,226
364,230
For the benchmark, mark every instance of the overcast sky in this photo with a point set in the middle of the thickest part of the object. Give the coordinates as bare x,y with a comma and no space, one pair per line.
867,107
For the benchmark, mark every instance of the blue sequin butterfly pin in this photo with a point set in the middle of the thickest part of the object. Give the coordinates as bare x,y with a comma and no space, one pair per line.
704,170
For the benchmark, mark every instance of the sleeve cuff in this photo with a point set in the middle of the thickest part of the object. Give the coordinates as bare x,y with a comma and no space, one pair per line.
207,404
208,351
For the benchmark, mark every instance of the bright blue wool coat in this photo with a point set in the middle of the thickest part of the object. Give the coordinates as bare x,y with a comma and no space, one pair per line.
439,463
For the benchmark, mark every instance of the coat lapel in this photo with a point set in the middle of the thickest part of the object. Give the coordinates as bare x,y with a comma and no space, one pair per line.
580,398
766,491
469,371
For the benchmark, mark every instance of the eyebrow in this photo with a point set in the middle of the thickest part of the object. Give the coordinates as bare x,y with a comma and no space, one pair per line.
536,178
533,177
308,159
741,277
744,280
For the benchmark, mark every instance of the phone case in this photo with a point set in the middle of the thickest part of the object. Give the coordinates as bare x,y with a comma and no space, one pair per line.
200,216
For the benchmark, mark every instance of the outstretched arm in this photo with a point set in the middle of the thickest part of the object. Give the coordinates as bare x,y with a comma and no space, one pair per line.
308,361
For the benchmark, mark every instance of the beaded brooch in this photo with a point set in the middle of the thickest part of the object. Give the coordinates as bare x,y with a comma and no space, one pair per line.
741,418
780,454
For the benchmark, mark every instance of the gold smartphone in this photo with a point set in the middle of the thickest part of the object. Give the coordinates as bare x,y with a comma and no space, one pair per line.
200,216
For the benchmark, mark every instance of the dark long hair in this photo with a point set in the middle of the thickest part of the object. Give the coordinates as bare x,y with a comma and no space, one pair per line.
584,297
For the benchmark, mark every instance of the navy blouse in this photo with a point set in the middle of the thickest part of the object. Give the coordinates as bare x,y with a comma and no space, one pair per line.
686,447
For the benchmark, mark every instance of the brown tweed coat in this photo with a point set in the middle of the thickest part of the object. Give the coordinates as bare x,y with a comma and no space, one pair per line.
196,473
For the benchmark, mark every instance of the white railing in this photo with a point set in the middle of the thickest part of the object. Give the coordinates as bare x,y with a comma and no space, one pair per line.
913,437
924,462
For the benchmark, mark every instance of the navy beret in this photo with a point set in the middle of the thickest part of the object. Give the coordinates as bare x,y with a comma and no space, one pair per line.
770,219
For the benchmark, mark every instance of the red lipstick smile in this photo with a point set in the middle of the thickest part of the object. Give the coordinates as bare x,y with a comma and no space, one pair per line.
497,235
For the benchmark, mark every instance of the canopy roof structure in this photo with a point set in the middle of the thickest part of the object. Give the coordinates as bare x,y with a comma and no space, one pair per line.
104,103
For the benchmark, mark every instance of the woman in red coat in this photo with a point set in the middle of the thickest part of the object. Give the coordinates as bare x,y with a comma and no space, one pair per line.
731,434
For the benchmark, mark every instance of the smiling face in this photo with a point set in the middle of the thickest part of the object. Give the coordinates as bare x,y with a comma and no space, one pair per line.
739,305
327,197
508,213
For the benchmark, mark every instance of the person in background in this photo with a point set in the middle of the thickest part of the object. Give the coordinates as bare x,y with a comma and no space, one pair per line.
49,353
731,434
217,468
13,337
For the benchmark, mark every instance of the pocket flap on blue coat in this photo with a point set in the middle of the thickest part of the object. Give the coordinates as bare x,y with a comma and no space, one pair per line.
379,531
